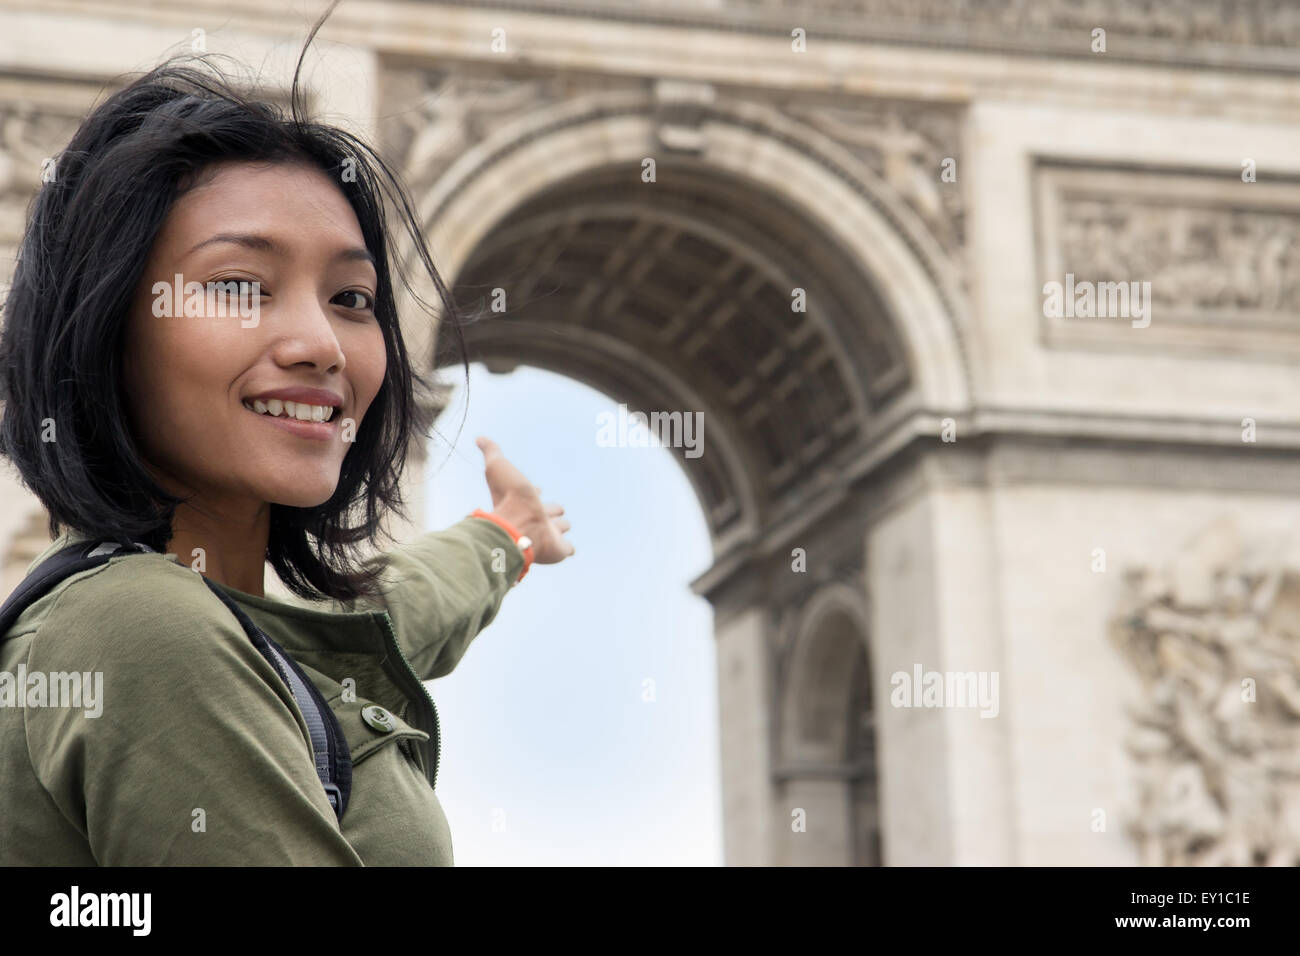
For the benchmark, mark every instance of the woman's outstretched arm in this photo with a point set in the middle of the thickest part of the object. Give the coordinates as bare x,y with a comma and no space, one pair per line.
446,586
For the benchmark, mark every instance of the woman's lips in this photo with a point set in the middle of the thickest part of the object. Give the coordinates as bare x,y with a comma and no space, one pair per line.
320,431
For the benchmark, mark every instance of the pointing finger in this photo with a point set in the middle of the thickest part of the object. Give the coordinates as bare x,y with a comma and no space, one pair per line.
491,451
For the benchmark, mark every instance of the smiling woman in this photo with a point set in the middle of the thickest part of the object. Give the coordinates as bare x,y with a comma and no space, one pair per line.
178,174
294,732
318,344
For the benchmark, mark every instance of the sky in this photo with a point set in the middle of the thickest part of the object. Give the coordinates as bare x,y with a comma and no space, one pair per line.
581,726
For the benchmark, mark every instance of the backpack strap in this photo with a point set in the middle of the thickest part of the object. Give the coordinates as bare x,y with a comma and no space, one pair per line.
330,749
62,564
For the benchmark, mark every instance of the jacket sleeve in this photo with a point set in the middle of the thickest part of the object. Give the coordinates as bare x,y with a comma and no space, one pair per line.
199,756
444,587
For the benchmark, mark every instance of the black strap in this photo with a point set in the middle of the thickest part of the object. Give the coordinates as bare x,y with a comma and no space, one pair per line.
46,575
329,746
330,749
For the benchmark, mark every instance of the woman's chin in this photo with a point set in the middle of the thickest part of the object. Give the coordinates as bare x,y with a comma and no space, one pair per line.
304,497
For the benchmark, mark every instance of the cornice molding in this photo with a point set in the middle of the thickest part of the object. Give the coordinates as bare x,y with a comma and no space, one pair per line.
1007,447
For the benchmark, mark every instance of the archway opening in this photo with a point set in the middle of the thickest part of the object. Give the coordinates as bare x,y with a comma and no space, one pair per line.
703,295
695,293
581,726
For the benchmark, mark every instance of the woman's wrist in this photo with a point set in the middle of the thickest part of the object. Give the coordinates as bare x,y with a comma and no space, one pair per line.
522,541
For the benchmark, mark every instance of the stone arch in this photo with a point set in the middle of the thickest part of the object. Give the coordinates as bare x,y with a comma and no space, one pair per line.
767,200
679,298
753,141
826,732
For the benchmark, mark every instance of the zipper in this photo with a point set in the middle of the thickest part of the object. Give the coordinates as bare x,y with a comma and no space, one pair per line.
423,695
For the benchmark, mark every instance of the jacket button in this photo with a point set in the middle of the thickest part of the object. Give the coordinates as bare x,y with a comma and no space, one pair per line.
377,718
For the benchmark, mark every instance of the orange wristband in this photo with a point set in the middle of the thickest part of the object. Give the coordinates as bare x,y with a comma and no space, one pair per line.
524,542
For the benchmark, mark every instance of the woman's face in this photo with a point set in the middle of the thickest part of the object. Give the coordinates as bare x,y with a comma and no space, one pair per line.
196,361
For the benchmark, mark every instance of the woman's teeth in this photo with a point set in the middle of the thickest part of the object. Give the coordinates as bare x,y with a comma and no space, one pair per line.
299,410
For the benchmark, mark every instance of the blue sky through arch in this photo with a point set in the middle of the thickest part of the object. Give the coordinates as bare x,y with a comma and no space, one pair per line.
550,754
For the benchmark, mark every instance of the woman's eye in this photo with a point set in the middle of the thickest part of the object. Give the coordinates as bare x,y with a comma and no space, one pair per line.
358,299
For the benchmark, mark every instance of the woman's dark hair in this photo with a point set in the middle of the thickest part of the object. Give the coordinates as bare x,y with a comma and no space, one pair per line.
88,238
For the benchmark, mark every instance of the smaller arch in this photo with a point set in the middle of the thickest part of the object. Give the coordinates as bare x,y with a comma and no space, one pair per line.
832,630
826,738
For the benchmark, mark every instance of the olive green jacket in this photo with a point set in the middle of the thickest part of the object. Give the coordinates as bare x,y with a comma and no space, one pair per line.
198,753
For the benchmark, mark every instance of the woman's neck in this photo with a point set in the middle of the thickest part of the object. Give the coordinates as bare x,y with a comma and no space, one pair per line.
229,550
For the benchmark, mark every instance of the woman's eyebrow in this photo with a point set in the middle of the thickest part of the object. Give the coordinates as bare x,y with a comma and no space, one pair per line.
267,244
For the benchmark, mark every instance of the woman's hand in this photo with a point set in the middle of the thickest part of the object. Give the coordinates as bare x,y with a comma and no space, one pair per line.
519,501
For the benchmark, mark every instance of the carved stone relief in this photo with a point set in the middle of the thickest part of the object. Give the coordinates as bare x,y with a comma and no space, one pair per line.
1214,639
31,133
1222,256
904,144
431,117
